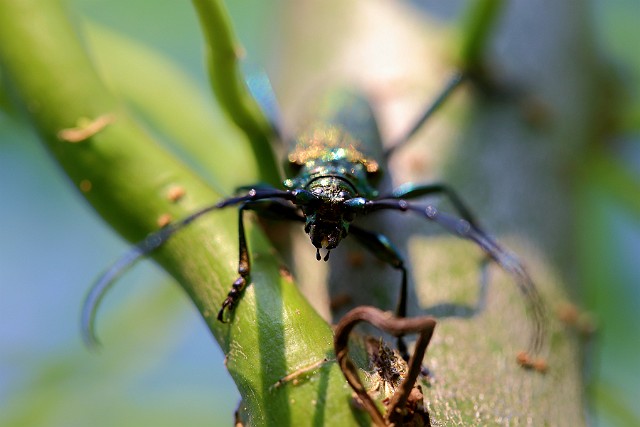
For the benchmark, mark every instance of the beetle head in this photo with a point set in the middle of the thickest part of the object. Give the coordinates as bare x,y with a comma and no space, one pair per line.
327,219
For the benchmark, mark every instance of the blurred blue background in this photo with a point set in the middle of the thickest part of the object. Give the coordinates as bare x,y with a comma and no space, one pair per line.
159,365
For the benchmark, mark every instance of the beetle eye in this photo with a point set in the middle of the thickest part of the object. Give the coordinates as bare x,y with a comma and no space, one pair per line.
304,197
355,205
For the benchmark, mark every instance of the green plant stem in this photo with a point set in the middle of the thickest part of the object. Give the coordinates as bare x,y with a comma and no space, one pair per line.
479,23
223,54
125,175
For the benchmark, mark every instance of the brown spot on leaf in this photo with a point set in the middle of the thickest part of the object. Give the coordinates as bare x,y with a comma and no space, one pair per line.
86,128
567,313
85,185
285,273
175,193
164,220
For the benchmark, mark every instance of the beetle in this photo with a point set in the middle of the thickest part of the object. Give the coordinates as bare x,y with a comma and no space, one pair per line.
335,164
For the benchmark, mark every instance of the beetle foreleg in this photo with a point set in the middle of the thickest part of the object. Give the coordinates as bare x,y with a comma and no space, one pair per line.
267,208
244,267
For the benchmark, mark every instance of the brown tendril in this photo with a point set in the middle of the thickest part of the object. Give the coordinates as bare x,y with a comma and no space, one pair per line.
396,326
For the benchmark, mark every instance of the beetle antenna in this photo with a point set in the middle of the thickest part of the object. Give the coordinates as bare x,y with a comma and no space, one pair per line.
109,277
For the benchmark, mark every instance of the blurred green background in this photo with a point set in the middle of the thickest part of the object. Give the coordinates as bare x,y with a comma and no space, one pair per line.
52,246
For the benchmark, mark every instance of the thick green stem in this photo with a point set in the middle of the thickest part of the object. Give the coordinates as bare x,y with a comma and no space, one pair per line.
125,175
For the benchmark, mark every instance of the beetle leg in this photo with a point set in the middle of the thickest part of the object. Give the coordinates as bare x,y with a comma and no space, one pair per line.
244,267
383,249
413,191
466,229
266,208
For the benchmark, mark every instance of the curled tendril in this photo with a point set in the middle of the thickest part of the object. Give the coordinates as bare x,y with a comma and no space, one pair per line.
397,326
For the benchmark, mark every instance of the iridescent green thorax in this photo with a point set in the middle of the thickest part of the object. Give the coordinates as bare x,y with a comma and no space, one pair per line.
328,143
331,151
342,141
